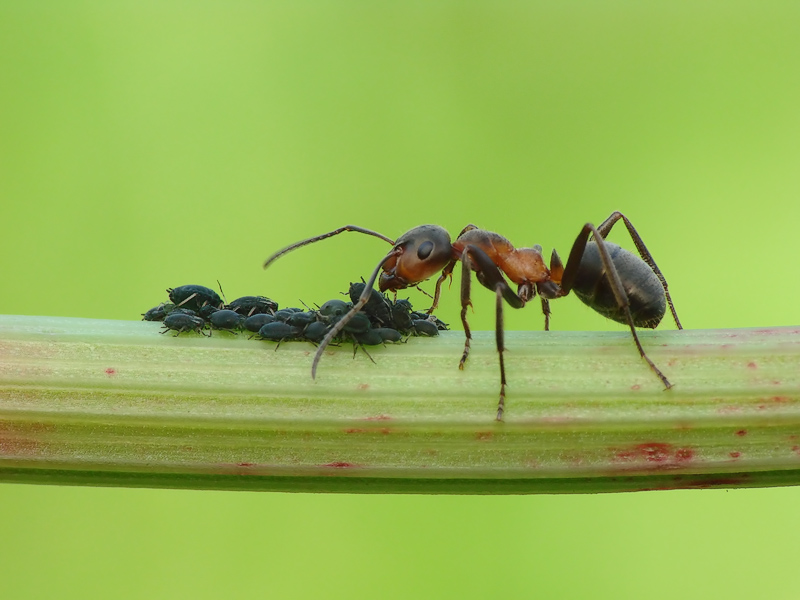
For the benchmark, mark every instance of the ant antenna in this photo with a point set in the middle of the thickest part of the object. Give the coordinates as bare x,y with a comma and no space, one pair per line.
305,242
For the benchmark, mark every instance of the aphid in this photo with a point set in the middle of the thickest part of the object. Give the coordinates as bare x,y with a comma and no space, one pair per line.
180,322
315,332
278,331
301,319
425,328
377,308
388,334
616,283
418,316
226,320
158,313
206,311
194,296
284,313
256,322
183,311
333,310
253,305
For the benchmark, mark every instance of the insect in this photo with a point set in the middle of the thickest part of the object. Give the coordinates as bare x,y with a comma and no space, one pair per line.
180,322
194,296
226,320
253,305
618,284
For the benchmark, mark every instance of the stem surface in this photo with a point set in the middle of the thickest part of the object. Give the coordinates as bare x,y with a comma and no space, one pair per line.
94,402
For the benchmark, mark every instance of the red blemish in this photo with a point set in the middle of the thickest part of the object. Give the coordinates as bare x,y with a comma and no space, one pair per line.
13,440
654,452
767,332
383,430
340,465
717,482
636,386
664,455
780,399
735,454
796,449
111,371
793,436
245,464
362,386
17,446
741,432
483,435
729,409
752,365
379,418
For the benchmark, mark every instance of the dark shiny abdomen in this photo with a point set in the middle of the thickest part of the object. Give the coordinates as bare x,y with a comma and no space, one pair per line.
644,290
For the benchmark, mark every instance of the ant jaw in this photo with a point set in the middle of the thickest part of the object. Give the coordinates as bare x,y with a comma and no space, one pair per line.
389,281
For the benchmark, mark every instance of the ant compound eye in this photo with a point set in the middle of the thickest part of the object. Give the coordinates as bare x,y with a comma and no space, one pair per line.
424,250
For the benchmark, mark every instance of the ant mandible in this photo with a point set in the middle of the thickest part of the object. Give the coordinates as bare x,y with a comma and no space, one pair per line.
616,283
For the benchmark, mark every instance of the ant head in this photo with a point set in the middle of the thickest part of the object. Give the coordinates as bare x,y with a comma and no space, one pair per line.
419,254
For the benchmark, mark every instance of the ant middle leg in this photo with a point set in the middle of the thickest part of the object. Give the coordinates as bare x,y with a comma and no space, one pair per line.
489,276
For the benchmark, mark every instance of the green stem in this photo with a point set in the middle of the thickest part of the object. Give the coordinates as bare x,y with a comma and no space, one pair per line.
114,403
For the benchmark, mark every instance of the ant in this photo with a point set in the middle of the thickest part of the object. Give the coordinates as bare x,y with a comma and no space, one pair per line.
616,283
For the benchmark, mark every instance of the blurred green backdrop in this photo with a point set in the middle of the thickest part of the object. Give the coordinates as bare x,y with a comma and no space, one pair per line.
150,144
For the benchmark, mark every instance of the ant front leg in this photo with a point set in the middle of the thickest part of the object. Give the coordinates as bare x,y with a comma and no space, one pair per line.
605,228
446,272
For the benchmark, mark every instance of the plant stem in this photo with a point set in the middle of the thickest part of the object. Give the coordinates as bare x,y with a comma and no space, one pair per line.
95,402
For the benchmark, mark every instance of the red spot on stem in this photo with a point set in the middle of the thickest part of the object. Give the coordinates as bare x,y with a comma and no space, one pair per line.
655,455
110,371
340,465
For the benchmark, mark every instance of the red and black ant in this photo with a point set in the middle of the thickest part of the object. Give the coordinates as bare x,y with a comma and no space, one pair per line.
616,283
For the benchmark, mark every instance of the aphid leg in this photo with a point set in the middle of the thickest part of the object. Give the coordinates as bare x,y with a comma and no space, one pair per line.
357,345
571,271
305,242
605,227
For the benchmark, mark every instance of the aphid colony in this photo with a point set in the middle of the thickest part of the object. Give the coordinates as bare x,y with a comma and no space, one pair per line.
197,308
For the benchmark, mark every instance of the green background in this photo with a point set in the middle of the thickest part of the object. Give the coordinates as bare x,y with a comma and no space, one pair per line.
145,145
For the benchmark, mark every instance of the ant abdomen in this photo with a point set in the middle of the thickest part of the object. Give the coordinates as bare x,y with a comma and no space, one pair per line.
642,286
